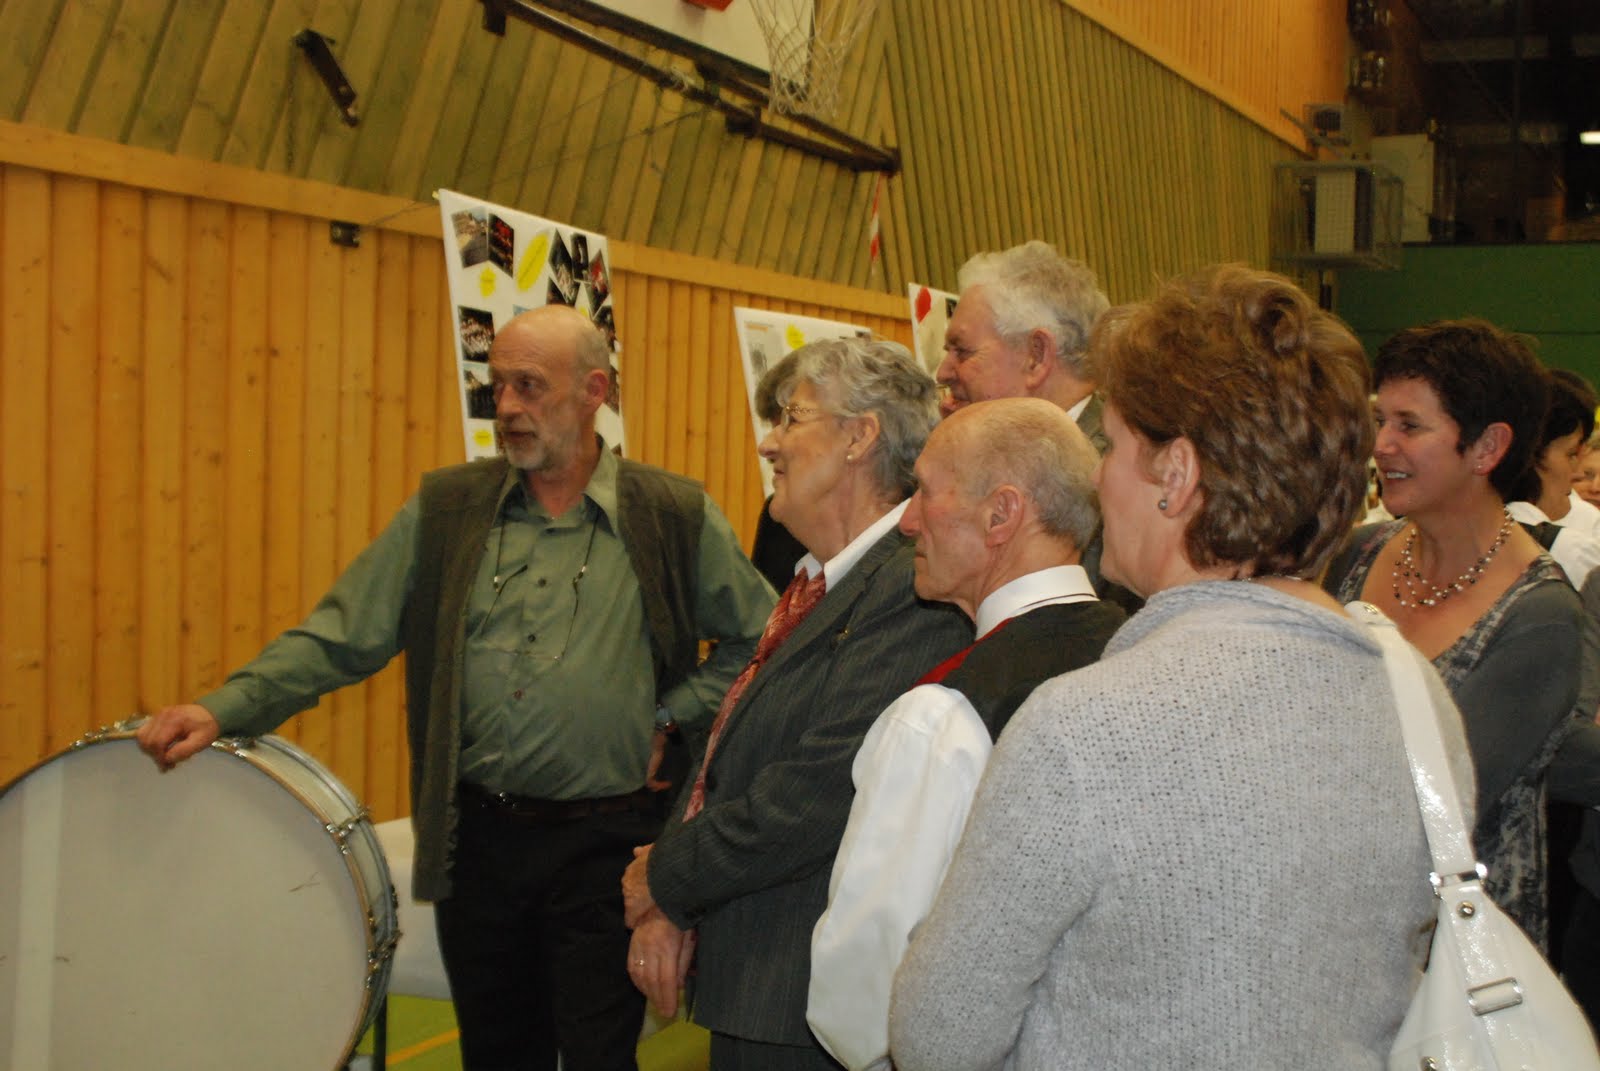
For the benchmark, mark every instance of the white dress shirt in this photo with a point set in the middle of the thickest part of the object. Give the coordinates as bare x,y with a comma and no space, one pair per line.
838,567
1581,515
1575,549
915,777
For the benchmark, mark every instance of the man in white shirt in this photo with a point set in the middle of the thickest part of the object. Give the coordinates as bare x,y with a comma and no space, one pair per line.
1004,504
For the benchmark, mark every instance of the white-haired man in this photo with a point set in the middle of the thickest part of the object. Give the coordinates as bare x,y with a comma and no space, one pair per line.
1003,505
1020,330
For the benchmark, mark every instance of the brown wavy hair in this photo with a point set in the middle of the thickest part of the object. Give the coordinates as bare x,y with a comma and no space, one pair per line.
1273,394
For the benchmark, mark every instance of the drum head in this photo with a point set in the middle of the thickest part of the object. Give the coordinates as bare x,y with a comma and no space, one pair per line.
201,918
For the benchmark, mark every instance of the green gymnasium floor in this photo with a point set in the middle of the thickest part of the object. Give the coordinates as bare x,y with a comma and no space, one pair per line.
422,1037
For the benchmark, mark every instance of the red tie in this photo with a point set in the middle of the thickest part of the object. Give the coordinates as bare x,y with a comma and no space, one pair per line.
798,599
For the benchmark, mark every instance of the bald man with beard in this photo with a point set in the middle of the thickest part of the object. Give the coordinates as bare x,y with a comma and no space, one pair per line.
550,602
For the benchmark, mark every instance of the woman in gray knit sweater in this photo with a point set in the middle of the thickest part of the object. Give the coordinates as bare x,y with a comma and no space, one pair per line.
1203,851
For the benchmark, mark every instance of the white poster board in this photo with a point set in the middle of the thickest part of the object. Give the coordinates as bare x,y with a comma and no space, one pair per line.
500,262
765,338
930,314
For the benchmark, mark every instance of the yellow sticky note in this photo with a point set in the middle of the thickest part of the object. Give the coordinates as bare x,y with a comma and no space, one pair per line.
486,281
533,260
483,437
794,337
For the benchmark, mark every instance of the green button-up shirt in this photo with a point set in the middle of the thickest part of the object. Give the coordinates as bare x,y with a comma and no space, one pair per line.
559,696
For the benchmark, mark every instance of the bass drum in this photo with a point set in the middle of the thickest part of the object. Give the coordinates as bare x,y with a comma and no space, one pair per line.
236,912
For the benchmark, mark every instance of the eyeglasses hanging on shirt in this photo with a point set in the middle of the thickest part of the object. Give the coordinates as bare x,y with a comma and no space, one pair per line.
503,576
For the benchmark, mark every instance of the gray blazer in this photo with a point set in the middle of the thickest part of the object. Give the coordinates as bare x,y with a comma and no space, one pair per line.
751,871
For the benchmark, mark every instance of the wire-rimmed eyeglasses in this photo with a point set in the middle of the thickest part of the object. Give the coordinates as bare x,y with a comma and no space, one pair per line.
789,414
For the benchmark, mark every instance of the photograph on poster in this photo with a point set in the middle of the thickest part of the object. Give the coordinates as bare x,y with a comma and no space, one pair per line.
553,294
606,323
472,236
477,334
599,278
480,396
561,270
760,361
580,255
502,240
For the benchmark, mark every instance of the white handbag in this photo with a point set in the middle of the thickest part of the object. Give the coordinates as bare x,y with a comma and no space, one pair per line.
1489,1001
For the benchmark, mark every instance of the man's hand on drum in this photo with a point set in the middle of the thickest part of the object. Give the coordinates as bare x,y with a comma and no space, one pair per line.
172,734
658,960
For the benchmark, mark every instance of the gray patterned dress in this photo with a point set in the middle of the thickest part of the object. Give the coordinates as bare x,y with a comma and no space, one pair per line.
1514,675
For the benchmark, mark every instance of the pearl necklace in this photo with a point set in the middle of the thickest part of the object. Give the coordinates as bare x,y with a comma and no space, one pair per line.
1425,592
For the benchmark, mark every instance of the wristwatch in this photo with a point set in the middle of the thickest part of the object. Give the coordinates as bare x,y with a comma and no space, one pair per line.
665,723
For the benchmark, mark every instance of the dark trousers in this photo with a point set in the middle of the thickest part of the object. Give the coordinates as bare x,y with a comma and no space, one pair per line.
1580,954
533,941
729,1053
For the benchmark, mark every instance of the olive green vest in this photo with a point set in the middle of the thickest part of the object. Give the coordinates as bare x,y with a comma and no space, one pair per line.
660,516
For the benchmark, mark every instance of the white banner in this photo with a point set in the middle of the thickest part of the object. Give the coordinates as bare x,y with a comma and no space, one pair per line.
501,262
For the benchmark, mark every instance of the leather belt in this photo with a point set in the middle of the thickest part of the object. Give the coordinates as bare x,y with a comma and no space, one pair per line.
533,809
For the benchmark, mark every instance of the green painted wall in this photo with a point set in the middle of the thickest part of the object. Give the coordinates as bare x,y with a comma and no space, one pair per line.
1550,291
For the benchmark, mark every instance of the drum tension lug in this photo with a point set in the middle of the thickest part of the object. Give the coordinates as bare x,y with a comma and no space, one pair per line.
380,958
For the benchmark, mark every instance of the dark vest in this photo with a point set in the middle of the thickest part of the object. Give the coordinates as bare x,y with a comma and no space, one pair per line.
660,516
1004,667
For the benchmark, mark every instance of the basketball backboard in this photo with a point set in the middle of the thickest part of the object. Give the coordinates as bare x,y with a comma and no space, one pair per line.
733,34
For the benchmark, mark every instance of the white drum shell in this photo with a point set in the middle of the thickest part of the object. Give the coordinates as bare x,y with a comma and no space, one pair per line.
234,912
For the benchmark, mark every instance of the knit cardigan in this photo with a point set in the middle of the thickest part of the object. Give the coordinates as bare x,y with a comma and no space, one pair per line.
1202,851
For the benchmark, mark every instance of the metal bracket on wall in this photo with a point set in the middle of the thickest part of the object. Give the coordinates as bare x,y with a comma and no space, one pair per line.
326,64
719,73
343,233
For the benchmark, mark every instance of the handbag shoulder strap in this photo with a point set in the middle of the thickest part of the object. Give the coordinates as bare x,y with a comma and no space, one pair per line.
1449,840
1479,957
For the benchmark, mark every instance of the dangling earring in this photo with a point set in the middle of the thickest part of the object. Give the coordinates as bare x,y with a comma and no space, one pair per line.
1162,505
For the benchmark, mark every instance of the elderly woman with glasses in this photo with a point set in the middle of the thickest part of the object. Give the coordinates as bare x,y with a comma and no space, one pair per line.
743,867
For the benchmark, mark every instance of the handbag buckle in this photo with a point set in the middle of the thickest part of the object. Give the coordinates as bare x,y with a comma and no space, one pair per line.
1439,881
1490,997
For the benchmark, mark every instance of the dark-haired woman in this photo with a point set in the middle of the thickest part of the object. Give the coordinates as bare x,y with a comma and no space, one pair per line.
1459,410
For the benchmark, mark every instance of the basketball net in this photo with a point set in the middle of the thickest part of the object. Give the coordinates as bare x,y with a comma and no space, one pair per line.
807,42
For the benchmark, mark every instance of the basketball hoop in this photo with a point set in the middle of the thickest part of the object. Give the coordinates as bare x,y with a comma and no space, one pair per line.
807,42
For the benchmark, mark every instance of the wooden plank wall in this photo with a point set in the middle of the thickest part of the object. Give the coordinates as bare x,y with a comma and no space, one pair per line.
1117,160
206,409
1135,134
1258,55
